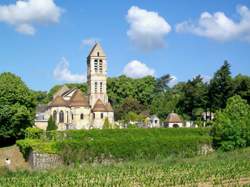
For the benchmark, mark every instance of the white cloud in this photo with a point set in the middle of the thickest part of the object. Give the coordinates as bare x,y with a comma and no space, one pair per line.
147,29
137,69
63,73
88,42
26,13
218,26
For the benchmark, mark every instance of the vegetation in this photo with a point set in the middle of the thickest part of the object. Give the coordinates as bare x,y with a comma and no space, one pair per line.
51,124
231,128
17,106
222,169
125,144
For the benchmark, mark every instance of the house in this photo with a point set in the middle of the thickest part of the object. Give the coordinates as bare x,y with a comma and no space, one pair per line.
173,120
71,109
154,122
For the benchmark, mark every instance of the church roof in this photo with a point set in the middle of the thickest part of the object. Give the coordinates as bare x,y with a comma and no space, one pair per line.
97,49
109,107
78,99
62,90
58,102
99,107
173,118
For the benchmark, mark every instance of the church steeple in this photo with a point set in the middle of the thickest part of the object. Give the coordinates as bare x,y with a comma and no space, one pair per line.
97,71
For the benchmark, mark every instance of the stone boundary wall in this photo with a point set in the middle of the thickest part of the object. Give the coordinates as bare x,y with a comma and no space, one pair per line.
42,161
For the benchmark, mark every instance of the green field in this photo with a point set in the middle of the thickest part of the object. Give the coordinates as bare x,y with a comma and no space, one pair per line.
214,169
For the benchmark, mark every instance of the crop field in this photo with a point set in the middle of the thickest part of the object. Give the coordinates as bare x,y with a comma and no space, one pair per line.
215,169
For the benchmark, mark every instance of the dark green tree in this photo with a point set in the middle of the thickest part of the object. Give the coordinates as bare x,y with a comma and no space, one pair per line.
51,124
220,88
162,83
17,108
242,87
194,97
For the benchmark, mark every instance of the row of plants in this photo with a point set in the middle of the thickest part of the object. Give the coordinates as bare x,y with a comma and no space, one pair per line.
116,144
217,169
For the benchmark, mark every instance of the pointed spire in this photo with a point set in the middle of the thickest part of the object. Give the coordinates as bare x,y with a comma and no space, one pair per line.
97,51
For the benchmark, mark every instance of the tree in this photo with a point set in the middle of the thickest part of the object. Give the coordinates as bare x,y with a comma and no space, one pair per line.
194,97
231,127
107,124
51,124
17,108
220,88
242,87
162,83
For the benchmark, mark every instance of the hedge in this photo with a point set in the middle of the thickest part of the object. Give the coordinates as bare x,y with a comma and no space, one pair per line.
115,133
119,144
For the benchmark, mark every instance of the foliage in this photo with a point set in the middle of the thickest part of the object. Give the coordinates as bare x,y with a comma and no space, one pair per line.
125,144
33,133
216,169
231,128
194,96
51,124
107,124
17,106
242,87
220,88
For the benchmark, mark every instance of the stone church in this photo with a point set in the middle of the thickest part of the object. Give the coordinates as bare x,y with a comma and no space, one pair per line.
71,109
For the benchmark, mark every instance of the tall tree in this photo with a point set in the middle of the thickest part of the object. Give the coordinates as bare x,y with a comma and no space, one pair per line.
17,107
242,87
221,87
162,83
194,97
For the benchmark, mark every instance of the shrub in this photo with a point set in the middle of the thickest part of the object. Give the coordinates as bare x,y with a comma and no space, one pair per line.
33,133
231,127
51,124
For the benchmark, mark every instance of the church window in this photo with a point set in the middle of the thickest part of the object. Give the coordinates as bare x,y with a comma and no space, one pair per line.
61,117
100,67
100,60
96,66
72,116
100,87
101,115
95,87
54,115
94,115
82,116
98,54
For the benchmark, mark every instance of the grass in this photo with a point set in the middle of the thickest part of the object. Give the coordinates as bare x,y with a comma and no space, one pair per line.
214,169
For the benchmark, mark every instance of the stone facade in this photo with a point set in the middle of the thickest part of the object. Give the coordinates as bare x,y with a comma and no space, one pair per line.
72,110
44,161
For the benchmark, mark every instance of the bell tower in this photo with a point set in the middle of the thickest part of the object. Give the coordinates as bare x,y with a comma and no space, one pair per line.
97,75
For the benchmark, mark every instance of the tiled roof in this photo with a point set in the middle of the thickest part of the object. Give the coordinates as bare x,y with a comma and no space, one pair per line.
58,101
173,118
109,107
78,99
99,107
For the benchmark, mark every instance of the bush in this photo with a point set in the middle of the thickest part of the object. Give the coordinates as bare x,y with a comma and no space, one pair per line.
231,127
126,144
51,124
33,133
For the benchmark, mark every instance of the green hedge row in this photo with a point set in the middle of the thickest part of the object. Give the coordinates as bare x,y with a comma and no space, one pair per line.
114,133
124,144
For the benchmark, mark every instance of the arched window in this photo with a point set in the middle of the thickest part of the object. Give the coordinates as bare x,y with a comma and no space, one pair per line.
54,115
61,117
101,115
82,116
98,54
94,115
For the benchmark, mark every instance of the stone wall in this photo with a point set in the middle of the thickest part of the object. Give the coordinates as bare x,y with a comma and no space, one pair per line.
44,160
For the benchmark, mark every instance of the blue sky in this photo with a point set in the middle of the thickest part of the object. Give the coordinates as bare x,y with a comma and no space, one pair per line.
153,37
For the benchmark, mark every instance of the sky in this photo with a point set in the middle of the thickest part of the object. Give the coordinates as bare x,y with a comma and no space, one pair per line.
46,42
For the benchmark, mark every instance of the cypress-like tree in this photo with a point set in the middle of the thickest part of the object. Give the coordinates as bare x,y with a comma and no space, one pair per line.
221,87
51,124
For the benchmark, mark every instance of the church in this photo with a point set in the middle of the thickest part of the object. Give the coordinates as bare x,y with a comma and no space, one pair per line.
71,109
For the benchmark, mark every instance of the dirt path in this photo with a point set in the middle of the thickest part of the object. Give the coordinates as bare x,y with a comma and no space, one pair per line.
16,157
